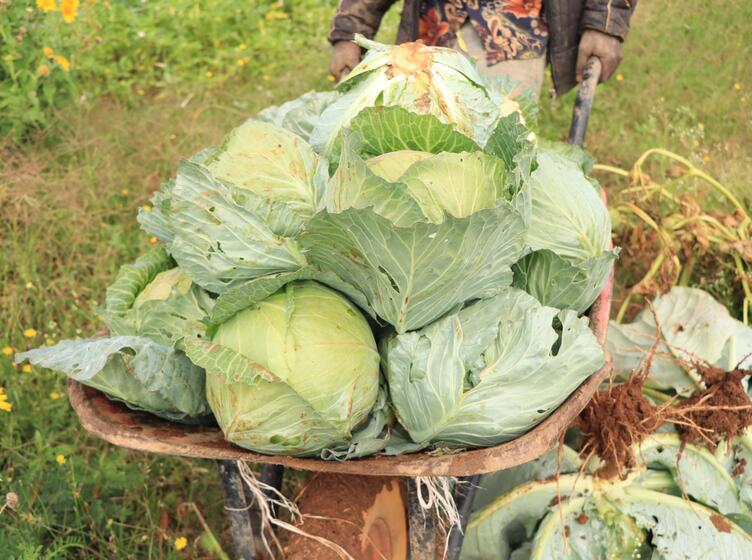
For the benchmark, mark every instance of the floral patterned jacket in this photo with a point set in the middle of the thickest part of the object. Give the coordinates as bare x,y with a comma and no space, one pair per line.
564,20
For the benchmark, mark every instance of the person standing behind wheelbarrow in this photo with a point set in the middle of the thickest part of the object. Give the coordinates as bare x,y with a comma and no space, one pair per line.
506,37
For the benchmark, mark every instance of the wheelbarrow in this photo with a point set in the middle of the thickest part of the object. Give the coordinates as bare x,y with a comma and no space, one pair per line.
398,527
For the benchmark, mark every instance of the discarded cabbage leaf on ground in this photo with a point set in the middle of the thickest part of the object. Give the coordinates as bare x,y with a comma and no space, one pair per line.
488,373
294,374
648,515
693,328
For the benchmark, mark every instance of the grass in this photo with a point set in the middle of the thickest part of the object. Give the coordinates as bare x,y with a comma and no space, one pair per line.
68,198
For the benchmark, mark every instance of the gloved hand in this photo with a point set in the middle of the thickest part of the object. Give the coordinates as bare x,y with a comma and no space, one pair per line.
345,57
606,47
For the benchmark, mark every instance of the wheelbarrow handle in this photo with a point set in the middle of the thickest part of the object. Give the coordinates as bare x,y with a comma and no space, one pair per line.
584,101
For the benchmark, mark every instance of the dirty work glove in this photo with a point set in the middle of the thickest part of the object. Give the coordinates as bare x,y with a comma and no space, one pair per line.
345,57
606,47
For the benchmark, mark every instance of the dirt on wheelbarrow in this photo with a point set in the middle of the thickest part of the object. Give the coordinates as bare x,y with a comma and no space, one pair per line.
364,515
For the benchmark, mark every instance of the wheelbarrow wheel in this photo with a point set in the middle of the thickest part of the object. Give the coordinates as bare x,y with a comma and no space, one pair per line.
366,516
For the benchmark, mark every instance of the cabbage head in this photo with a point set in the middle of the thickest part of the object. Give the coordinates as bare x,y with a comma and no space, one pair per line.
569,234
417,218
233,212
489,373
150,308
294,374
424,80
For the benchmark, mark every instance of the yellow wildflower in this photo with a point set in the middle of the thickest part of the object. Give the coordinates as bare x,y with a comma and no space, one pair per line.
49,341
30,333
26,368
29,285
124,191
181,543
140,91
173,136
60,459
701,126
55,396
330,78
706,158
209,73
7,351
619,77
47,5
4,404
265,78
276,14
240,62
737,86
63,62
153,240
69,9
48,52
146,207
242,47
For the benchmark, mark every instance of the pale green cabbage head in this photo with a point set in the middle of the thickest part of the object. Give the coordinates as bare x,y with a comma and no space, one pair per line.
293,374
569,234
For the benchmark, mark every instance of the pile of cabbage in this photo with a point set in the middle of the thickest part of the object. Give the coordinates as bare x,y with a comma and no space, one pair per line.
396,265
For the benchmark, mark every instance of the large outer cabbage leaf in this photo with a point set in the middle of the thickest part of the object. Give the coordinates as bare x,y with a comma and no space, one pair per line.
569,234
562,460
391,129
698,472
683,530
132,369
693,327
413,275
488,373
425,80
511,519
586,529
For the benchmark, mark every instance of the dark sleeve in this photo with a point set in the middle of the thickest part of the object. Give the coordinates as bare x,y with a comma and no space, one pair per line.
608,16
357,16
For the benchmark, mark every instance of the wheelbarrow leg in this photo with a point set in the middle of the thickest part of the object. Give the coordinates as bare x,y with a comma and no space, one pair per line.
422,529
236,505
464,494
